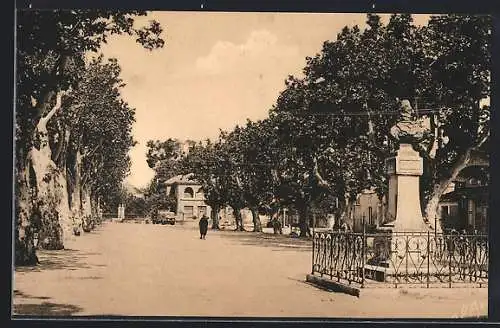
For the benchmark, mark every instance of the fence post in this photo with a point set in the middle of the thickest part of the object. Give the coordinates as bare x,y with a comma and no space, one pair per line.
451,246
330,260
363,249
407,254
314,233
313,239
428,255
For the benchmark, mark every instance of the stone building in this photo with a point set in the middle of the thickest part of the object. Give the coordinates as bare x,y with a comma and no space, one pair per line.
369,206
190,198
466,207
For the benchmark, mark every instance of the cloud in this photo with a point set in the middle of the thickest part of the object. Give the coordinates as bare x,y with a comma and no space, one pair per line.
261,46
224,87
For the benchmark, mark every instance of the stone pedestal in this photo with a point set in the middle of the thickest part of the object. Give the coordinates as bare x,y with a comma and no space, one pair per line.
404,169
404,216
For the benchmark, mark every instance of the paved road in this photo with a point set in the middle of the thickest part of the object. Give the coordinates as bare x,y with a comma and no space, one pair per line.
138,269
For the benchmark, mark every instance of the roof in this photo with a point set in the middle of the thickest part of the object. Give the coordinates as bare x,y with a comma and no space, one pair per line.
469,193
182,179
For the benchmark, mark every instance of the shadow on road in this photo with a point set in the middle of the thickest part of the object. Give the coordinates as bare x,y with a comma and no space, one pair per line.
20,294
41,309
282,242
45,309
65,259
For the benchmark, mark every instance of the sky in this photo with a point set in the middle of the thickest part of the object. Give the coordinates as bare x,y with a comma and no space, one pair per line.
215,71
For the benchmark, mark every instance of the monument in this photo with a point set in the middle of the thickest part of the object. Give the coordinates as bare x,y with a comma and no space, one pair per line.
404,212
404,170
121,212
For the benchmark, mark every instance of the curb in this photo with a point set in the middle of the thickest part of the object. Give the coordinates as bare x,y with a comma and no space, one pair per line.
332,285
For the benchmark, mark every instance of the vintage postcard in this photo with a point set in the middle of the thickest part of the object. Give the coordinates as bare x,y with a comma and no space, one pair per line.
251,164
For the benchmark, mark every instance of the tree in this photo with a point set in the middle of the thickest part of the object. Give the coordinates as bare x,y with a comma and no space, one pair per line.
50,48
204,160
157,198
159,152
459,77
97,137
165,158
136,206
334,121
223,180
256,167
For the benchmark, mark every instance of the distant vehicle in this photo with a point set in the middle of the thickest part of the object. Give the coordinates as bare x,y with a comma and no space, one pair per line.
166,217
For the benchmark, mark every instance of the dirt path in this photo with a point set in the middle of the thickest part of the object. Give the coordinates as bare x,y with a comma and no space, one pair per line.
138,269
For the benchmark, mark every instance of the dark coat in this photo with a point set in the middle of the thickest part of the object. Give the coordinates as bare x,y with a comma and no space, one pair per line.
203,225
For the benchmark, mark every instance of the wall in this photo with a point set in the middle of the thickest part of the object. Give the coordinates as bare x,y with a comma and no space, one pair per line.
196,200
362,207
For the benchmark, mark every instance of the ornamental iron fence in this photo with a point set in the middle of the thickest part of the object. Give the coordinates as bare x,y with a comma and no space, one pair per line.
427,259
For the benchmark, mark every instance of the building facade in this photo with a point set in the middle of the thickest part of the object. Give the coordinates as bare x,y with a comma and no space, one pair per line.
368,208
190,198
466,207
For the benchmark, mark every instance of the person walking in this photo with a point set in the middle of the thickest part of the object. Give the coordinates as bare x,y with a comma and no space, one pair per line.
203,226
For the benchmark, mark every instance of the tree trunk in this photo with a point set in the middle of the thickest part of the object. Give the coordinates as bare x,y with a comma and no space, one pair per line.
52,200
93,211
347,219
76,197
257,226
238,219
215,217
344,219
303,211
25,252
99,210
431,207
87,209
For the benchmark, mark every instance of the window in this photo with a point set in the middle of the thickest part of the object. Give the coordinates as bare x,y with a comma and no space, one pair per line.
370,215
444,212
188,192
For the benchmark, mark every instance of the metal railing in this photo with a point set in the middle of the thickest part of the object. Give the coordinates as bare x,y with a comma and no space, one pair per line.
427,259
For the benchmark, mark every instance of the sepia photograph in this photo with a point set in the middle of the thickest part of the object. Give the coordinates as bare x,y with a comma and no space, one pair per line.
251,164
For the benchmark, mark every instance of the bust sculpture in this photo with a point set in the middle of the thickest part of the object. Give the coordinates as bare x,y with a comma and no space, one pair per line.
409,129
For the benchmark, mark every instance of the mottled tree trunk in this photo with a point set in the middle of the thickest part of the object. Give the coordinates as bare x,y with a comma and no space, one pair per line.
99,211
94,211
348,219
431,207
303,211
87,209
238,219
76,197
51,202
257,226
25,252
345,218
52,199
215,217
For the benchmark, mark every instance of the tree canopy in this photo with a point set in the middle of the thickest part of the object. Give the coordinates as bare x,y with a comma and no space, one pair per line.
328,134
73,129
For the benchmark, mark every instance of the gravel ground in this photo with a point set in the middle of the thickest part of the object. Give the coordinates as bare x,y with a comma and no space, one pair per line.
149,270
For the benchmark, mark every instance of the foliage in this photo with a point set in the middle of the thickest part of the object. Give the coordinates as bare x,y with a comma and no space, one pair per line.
328,135
51,45
50,63
136,206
